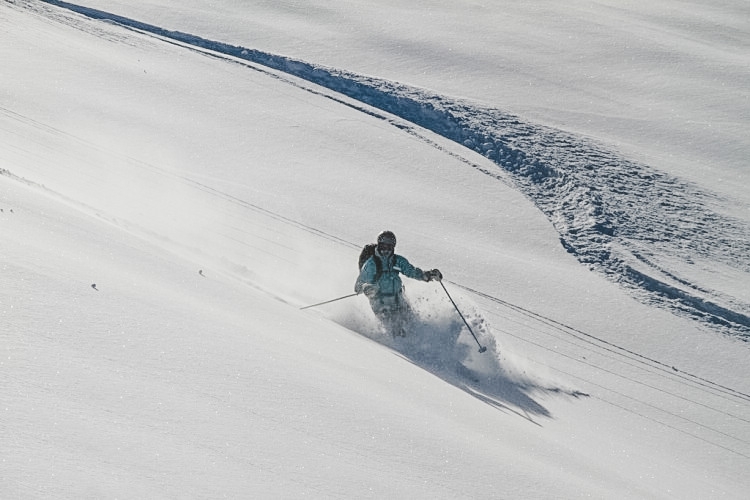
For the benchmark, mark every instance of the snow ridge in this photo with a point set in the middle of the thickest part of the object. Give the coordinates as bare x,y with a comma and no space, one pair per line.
629,221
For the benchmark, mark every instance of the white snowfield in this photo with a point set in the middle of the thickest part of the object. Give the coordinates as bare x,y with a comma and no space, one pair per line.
177,182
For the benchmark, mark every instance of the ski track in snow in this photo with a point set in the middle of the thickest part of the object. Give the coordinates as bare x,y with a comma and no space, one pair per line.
624,219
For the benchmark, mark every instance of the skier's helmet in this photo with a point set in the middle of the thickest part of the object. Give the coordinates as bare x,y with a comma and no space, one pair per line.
387,238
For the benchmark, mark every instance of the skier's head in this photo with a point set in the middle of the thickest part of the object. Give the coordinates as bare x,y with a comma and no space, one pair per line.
386,242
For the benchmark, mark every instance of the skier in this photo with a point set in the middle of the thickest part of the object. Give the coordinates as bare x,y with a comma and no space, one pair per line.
379,280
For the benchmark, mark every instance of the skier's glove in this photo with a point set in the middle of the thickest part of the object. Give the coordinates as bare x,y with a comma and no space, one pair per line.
370,290
433,274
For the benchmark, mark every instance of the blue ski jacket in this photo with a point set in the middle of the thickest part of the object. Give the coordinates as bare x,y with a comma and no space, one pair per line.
389,281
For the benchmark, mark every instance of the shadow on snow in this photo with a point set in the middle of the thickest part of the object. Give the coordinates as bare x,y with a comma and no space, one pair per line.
441,344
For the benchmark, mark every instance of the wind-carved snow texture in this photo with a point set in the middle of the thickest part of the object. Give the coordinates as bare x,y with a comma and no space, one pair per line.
620,217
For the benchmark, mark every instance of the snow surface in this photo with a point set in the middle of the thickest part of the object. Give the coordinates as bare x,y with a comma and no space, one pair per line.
177,183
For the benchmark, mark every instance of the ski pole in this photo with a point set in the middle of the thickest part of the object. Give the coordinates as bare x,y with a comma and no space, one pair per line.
481,347
329,301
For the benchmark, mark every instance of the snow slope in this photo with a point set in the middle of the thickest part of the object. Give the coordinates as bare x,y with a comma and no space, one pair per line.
132,162
651,246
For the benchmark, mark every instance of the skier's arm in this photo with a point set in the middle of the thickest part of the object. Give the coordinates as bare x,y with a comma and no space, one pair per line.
366,280
416,273
408,270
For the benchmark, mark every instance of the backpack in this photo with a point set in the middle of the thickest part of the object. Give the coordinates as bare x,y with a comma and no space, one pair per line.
367,252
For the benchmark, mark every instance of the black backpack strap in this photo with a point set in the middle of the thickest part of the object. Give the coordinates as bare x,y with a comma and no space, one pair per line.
378,267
